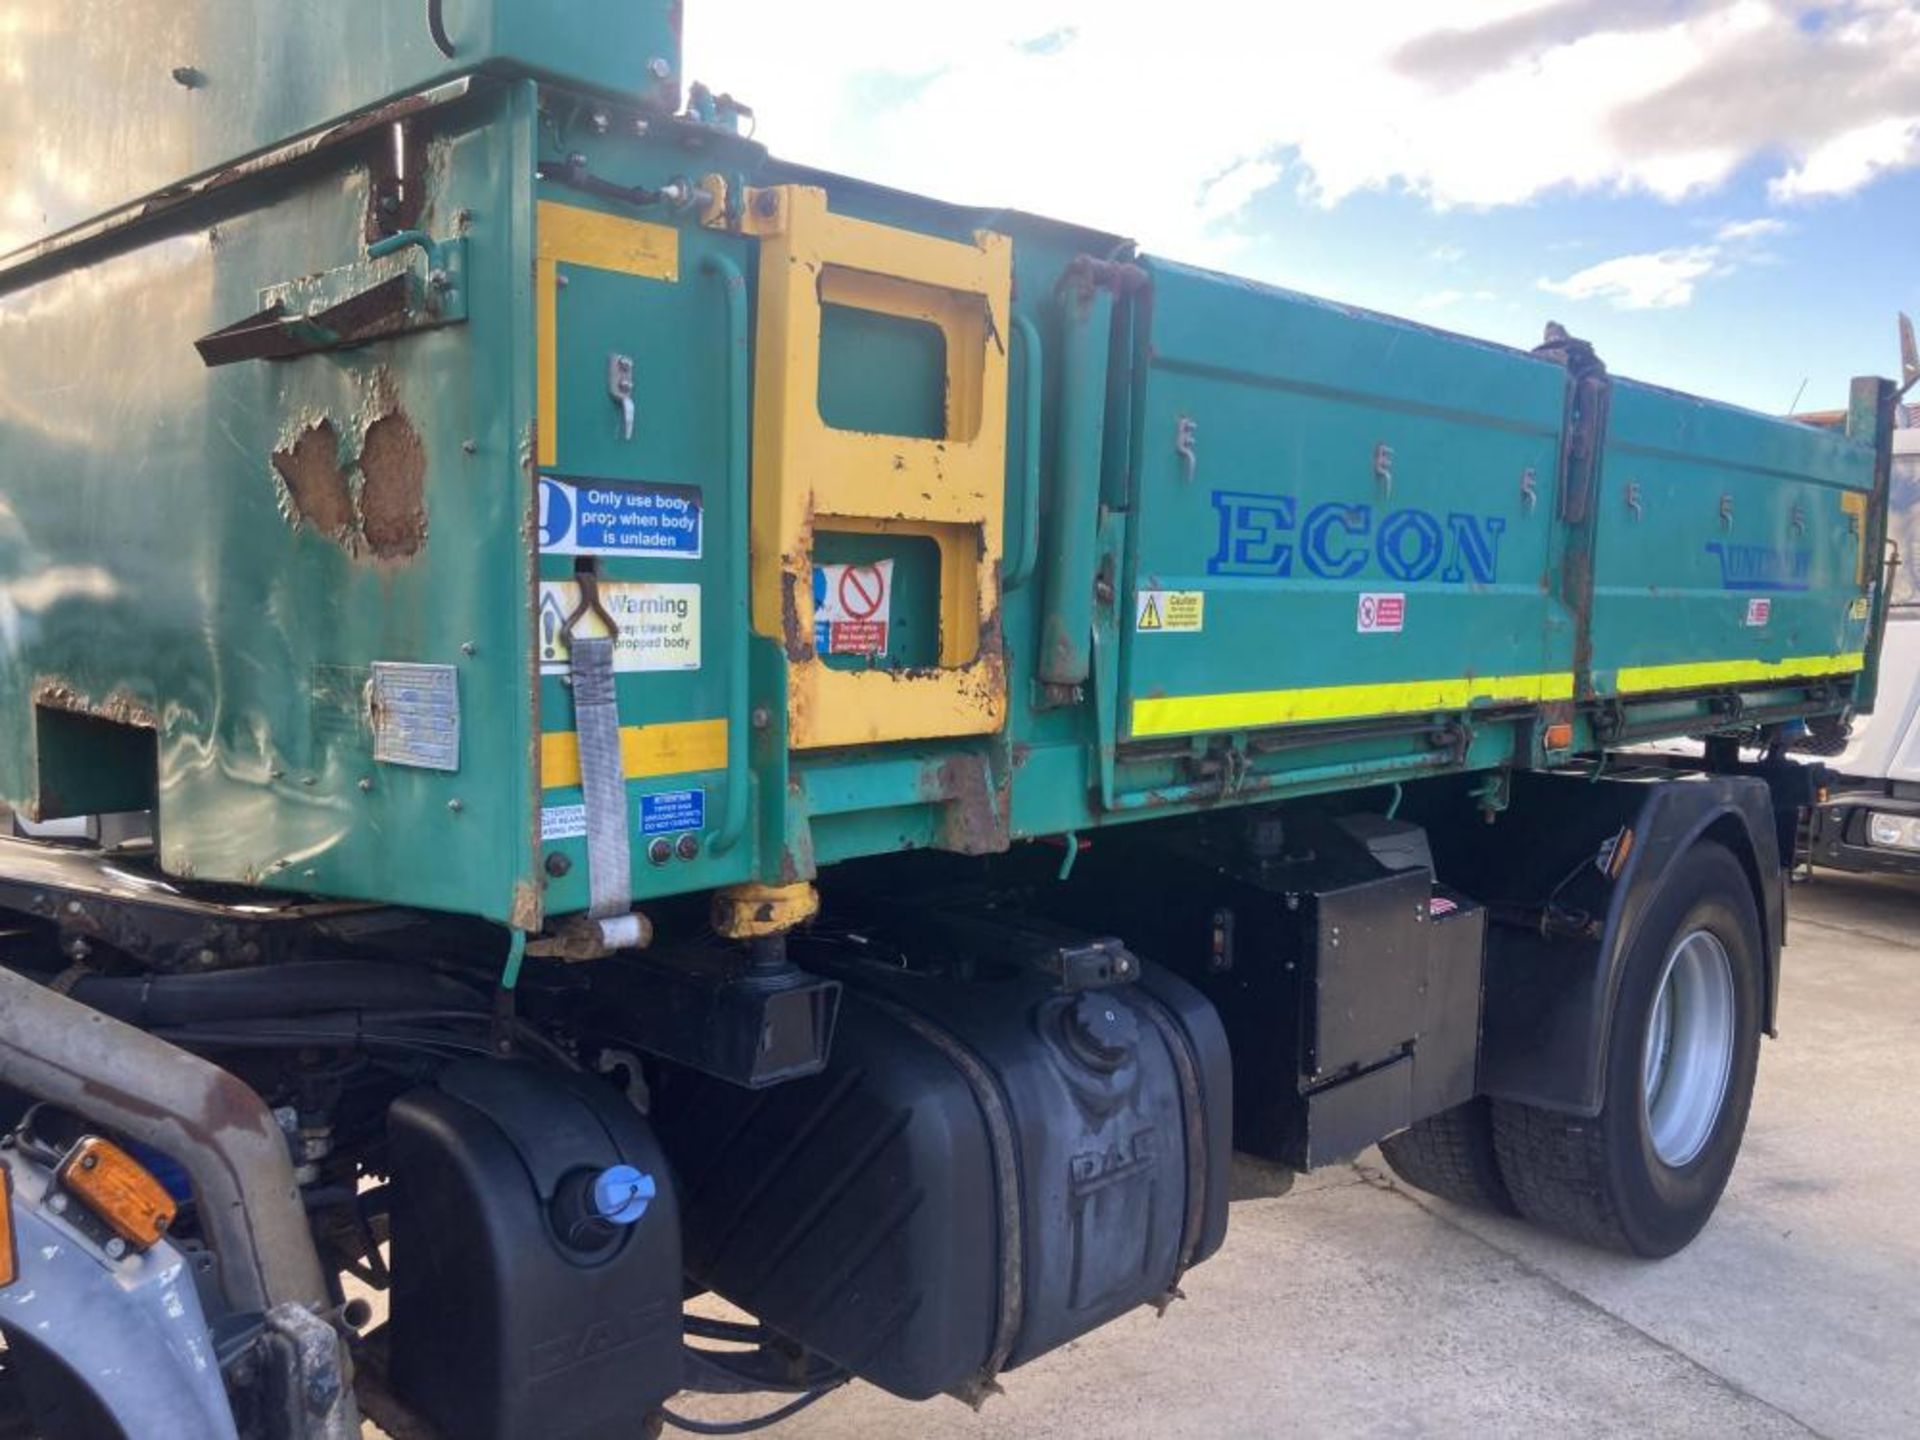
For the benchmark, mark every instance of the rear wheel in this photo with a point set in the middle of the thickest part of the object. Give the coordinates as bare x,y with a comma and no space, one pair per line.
1451,1155
1645,1173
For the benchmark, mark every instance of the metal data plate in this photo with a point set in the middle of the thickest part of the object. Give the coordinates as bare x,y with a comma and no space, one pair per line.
415,714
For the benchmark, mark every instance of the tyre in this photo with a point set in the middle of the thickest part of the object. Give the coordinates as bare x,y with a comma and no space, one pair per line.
1451,1155
1645,1173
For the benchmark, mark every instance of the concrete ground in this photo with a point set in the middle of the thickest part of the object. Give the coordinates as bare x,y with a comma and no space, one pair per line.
1356,1307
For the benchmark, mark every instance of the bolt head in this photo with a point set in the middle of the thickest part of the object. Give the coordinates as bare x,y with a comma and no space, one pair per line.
761,719
115,1248
600,122
456,805
558,864
659,68
57,1203
687,847
660,850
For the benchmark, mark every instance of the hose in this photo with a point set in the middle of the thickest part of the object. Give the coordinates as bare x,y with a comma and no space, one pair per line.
437,25
299,987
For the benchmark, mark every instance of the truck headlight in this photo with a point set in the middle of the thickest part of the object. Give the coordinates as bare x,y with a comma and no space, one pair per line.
1895,832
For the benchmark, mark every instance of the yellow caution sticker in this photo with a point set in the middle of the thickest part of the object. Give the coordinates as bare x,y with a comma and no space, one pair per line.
1858,610
659,625
1173,610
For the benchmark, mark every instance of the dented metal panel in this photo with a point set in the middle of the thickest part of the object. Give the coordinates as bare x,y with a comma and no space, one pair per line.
223,557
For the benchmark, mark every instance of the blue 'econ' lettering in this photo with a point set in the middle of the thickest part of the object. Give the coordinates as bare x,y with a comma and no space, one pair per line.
1256,536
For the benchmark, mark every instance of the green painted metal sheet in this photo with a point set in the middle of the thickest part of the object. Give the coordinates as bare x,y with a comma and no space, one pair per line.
1723,538
1351,534
131,96
1356,523
165,574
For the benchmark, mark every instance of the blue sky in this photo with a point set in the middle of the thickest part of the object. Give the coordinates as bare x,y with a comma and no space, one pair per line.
1724,195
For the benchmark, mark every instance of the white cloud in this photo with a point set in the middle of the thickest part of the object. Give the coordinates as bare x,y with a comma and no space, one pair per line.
1758,229
1849,161
1667,279
1659,280
1167,125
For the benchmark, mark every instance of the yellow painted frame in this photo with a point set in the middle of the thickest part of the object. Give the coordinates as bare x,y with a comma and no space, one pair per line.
809,477
568,235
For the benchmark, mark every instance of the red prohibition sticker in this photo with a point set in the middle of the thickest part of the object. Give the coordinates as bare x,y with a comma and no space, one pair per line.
1759,611
1382,614
852,608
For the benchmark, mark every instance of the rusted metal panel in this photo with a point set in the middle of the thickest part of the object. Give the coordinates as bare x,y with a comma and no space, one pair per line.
221,557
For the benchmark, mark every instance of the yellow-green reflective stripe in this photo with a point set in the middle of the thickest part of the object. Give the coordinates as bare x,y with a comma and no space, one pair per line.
1250,709
1637,679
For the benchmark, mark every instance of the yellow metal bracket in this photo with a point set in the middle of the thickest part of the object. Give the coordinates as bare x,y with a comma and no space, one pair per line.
810,478
748,912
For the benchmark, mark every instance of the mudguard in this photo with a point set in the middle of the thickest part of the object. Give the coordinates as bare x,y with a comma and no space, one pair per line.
1568,872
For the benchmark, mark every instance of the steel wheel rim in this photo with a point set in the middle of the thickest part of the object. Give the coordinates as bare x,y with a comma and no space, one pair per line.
1688,1055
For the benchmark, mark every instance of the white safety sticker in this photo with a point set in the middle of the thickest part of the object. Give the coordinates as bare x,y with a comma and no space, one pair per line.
852,608
659,624
1859,610
1759,610
1170,610
563,822
1382,614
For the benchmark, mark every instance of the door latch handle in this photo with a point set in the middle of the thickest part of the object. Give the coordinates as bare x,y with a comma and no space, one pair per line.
620,389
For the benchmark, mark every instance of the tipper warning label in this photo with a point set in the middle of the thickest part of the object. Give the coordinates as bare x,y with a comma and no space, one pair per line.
1170,610
659,624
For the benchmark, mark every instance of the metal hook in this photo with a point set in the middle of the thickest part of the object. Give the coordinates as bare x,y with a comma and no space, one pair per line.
589,583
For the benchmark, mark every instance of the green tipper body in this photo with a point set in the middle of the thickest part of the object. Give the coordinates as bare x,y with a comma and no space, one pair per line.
300,462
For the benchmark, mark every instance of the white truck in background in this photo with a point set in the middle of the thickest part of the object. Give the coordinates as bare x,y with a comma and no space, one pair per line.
1870,819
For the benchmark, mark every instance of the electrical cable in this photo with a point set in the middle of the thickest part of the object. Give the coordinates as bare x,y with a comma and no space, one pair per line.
758,1422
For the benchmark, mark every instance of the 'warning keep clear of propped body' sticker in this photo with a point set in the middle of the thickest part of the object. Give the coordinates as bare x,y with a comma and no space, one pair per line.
659,624
852,608
1170,611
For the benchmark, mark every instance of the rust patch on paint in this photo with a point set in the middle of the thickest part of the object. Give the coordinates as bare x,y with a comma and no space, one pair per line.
316,485
973,819
527,906
393,494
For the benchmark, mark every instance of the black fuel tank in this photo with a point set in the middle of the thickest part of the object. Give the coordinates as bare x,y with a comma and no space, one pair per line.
987,1168
536,1257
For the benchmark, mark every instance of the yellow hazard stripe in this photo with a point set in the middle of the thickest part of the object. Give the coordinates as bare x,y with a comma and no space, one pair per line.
645,751
566,234
1638,679
1250,709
